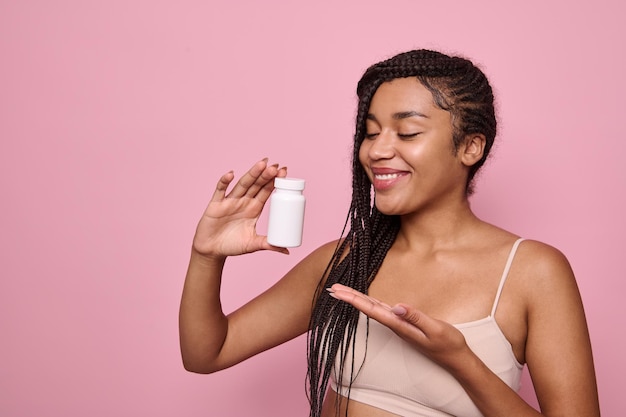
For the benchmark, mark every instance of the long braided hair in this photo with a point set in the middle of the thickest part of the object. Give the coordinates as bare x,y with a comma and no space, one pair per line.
458,87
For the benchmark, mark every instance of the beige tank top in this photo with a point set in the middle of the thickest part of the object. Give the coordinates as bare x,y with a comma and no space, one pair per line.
397,378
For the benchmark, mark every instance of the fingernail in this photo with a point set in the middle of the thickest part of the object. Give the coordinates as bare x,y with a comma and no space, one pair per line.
398,310
331,292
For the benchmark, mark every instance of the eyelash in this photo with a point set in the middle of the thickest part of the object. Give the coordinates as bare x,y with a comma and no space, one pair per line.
401,136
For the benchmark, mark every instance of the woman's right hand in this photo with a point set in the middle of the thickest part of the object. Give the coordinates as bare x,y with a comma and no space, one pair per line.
228,225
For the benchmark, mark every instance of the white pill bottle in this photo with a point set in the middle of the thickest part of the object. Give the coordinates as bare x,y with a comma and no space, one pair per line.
286,220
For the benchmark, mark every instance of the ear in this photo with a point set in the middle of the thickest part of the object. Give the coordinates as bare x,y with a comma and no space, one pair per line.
472,149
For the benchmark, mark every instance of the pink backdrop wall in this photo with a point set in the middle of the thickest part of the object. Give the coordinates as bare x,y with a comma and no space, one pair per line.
117,117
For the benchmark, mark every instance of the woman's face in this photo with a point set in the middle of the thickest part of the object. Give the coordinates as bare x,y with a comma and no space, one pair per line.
408,152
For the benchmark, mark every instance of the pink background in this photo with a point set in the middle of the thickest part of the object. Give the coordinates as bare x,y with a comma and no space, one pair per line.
117,117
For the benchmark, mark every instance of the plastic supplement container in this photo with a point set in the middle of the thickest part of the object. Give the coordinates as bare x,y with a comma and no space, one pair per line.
286,220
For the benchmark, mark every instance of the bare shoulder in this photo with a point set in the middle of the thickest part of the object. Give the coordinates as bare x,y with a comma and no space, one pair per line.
544,277
545,255
543,267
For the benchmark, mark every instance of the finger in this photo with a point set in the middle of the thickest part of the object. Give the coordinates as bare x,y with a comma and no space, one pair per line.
248,179
438,339
265,191
396,318
407,322
356,293
352,294
365,303
266,179
416,319
222,186
260,243
276,248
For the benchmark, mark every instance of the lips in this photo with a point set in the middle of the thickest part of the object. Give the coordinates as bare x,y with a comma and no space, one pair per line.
384,178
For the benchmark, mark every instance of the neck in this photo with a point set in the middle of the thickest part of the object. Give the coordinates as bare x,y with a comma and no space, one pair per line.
438,227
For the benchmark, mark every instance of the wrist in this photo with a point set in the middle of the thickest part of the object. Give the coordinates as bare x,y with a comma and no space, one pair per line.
468,367
207,260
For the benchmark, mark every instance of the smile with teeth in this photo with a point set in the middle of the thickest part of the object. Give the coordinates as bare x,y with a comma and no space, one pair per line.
384,177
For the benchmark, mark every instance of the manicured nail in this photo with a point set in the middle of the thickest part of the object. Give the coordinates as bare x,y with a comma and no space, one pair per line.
331,292
398,310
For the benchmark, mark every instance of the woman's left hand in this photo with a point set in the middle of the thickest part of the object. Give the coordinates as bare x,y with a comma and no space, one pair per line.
440,341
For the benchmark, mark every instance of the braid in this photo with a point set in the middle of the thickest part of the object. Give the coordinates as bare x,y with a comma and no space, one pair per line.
458,87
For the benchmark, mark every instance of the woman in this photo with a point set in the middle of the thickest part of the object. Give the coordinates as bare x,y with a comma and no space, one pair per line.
421,309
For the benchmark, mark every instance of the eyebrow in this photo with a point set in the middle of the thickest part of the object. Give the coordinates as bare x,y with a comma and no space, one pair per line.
407,114
401,115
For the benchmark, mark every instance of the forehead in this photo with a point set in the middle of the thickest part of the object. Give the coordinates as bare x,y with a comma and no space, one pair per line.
400,95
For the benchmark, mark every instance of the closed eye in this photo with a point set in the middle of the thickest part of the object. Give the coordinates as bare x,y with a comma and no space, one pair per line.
407,135
370,135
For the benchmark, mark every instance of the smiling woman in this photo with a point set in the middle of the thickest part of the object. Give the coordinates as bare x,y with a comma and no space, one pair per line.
422,308
408,154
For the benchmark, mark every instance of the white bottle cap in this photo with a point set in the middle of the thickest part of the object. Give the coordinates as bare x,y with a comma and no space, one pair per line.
294,184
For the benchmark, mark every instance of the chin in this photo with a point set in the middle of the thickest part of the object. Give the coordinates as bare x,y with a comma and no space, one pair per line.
389,210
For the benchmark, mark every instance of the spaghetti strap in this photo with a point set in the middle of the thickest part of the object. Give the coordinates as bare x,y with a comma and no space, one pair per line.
505,273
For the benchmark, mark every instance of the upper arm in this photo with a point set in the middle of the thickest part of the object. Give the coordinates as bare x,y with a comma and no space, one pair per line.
558,349
279,314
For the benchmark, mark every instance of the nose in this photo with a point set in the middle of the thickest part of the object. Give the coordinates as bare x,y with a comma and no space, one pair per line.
381,147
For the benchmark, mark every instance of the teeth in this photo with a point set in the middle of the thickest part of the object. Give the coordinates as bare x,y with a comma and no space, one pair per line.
386,176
